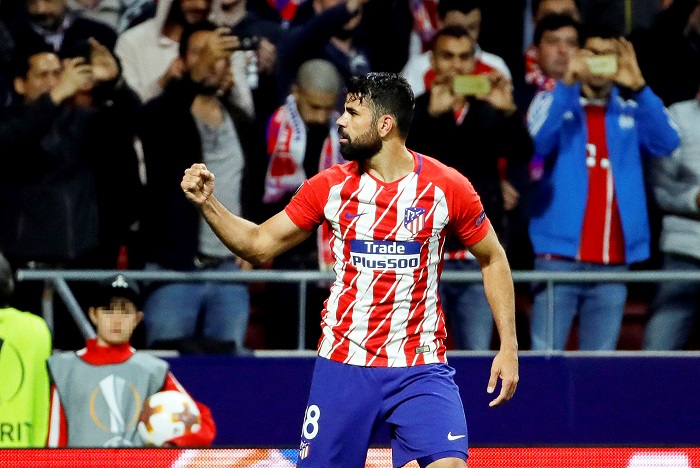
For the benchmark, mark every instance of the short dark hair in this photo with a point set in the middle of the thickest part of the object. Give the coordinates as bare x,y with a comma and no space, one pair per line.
536,6
601,30
189,30
388,93
554,22
453,30
24,53
463,6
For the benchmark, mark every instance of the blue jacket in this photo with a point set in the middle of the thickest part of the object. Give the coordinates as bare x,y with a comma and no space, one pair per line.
557,123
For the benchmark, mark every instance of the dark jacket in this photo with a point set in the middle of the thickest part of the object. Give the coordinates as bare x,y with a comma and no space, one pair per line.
307,39
474,147
668,56
171,144
72,165
74,39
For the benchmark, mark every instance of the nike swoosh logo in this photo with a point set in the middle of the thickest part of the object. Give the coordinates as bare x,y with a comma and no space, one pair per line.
455,437
351,216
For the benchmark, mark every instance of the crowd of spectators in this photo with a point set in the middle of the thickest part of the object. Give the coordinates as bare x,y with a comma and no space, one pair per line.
581,141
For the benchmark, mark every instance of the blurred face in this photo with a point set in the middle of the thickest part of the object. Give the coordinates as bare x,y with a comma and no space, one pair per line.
693,25
322,5
559,7
471,21
315,107
453,56
48,14
195,11
115,324
43,75
357,127
195,47
600,46
555,50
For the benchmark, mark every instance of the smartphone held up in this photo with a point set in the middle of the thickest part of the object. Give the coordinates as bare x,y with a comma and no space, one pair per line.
471,85
602,64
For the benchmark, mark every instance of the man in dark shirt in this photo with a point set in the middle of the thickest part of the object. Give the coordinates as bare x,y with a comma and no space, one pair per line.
301,141
51,22
471,134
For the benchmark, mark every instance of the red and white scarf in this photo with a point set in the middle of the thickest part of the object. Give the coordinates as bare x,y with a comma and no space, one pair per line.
425,21
533,72
286,147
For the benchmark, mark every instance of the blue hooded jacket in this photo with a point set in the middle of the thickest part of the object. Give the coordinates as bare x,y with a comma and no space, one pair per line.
557,123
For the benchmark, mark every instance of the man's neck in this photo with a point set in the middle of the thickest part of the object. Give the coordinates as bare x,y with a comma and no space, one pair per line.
56,28
231,16
596,93
206,107
459,104
393,162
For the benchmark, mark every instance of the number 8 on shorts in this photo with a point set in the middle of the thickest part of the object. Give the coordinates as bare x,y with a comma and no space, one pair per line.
310,428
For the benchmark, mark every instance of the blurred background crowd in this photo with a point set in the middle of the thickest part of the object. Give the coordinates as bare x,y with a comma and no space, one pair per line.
572,119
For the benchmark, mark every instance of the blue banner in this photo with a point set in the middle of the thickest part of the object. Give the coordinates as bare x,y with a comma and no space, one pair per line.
563,400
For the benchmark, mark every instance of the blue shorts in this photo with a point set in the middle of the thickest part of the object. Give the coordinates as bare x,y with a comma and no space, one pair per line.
347,404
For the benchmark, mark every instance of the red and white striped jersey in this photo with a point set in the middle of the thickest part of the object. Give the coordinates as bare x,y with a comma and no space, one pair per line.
388,241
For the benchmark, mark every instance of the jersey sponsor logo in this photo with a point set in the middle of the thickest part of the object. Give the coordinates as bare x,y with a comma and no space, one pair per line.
455,437
385,255
414,219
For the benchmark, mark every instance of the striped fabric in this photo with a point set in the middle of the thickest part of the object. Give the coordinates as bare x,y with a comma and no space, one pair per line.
388,241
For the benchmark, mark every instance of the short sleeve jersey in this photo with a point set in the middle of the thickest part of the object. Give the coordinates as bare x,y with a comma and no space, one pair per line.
387,241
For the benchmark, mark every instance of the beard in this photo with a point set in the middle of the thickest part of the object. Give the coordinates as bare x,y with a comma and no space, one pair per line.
364,147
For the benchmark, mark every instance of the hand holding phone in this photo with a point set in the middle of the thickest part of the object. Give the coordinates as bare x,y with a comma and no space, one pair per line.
629,73
219,46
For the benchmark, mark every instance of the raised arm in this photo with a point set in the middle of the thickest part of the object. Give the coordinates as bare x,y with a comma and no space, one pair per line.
252,242
498,284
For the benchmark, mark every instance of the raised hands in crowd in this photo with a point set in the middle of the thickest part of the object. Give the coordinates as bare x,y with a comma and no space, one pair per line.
500,95
211,65
443,97
78,74
625,72
628,72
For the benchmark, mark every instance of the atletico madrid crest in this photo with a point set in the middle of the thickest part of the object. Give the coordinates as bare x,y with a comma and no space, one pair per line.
414,219
304,450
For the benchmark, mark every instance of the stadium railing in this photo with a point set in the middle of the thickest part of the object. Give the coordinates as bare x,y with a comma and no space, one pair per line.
56,282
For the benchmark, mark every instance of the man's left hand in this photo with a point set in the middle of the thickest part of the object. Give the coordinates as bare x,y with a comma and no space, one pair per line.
501,94
628,73
104,64
505,366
